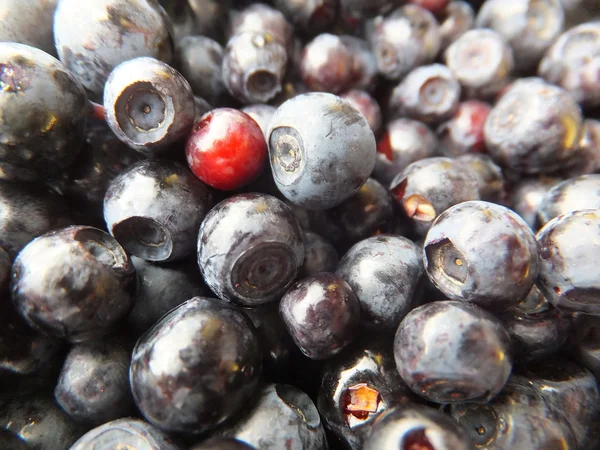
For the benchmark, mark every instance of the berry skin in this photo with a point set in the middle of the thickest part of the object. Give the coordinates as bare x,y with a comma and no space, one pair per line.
202,351
453,352
463,133
311,16
321,150
18,18
490,180
226,149
526,196
250,249
319,255
148,104
321,314
455,20
483,253
367,106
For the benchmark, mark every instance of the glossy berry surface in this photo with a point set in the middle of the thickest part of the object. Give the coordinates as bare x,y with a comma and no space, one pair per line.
126,431
262,17
483,253
309,136
250,249
567,244
481,61
428,93
463,133
416,428
403,141
43,110
383,271
292,417
321,314
79,290
422,199
451,352
226,149
527,194
204,350
93,386
92,48
154,209
148,104
490,179
534,127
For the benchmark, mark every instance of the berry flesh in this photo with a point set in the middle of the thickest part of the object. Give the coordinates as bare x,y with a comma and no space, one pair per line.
92,38
226,149
154,209
451,352
416,428
148,104
567,246
203,350
309,137
383,271
321,314
250,249
43,111
127,431
81,288
483,253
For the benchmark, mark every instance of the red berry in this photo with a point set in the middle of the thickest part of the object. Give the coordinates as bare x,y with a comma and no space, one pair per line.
226,149
435,6
464,132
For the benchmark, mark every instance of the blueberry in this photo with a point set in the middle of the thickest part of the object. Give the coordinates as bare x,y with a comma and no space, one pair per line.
319,255
102,158
537,330
426,188
404,141
527,194
28,22
428,93
210,17
455,20
12,441
463,133
383,271
587,159
534,127
28,212
93,385
161,288
367,106
570,390
403,40
517,418
5,266
571,62
321,314
43,111
483,253
568,245
254,65
368,212
570,195
149,105
356,11
250,249
38,421
311,16
125,433
529,27
357,388
481,61
490,180
259,17
79,290
416,428
262,114
586,351
196,367
93,38
451,352
220,443
332,63
279,416
199,59
154,209
321,150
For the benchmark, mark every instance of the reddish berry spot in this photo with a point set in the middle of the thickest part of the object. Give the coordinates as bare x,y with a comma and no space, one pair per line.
416,440
434,6
360,400
384,146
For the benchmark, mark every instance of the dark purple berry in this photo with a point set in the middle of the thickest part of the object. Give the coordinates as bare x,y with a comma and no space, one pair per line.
526,196
490,180
319,255
367,106
455,20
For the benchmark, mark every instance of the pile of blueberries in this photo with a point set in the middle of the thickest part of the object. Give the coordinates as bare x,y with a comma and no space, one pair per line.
299,225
